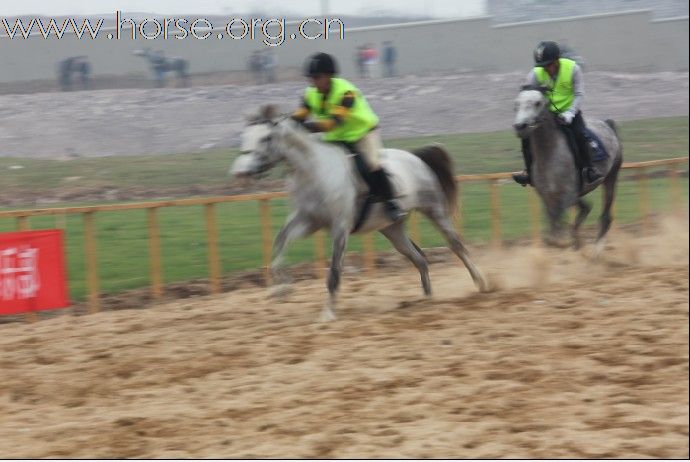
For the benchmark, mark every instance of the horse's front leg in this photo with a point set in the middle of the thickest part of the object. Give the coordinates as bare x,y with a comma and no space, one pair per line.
297,226
555,237
339,244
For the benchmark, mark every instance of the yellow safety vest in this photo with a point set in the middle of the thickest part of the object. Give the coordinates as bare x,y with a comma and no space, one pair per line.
560,92
360,118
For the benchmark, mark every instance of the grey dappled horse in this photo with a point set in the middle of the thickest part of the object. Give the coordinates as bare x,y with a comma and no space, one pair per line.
327,192
554,174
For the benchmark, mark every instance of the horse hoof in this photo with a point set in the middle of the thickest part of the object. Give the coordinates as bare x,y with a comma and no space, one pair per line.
598,251
327,316
281,291
485,286
560,243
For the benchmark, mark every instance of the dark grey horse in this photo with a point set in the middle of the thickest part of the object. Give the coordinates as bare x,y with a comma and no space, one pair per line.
160,65
554,174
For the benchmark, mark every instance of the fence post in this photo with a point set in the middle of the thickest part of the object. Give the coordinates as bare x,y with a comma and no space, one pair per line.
495,213
675,190
212,239
414,228
265,207
154,254
644,198
23,223
91,262
320,252
369,256
458,219
61,220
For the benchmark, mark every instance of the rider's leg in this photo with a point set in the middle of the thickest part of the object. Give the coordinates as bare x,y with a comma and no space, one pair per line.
578,128
524,178
369,146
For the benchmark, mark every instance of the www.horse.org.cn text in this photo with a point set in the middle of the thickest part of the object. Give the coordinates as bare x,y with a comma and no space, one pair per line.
272,32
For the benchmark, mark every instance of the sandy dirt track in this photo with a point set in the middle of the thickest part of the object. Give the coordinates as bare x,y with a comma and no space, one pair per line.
568,358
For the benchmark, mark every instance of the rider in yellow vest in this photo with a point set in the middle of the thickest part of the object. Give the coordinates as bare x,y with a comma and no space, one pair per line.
340,111
563,79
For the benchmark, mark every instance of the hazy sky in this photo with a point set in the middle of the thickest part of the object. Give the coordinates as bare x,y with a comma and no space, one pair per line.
310,8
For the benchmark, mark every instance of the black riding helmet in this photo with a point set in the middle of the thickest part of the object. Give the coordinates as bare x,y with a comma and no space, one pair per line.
546,53
320,63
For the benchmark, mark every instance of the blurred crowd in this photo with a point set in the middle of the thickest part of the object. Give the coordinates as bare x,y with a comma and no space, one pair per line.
367,60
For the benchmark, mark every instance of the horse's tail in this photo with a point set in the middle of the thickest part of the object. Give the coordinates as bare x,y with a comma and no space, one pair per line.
440,162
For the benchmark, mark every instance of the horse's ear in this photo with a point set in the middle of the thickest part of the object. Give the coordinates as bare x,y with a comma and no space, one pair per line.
270,112
252,118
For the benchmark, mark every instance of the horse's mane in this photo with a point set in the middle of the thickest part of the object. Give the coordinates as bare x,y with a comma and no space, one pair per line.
540,88
298,138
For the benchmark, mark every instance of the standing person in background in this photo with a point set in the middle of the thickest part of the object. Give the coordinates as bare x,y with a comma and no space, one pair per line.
65,74
371,59
270,63
389,58
359,60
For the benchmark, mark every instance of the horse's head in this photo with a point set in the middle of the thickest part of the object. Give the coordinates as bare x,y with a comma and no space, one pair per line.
531,107
261,143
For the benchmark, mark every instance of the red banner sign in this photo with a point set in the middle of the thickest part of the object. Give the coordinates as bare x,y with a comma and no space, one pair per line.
32,272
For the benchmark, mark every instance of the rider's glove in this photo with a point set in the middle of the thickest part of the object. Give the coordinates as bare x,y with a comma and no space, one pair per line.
566,118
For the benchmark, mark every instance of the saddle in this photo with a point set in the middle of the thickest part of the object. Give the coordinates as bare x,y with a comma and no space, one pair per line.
595,149
374,185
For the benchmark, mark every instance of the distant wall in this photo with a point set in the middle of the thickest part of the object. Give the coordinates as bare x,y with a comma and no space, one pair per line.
625,42
502,11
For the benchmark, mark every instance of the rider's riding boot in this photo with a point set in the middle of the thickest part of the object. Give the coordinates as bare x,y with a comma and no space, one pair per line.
590,172
523,177
383,189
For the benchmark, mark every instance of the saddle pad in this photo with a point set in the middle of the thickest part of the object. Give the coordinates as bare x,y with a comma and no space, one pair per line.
596,147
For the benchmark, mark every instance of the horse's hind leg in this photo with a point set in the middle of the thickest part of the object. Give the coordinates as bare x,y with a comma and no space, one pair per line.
583,209
609,196
403,244
444,225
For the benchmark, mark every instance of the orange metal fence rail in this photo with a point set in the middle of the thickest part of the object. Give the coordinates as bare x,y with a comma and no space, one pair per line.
90,245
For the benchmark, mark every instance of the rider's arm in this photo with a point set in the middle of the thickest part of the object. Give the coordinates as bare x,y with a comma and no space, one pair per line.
300,114
578,90
337,116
